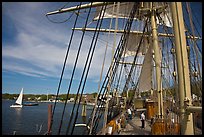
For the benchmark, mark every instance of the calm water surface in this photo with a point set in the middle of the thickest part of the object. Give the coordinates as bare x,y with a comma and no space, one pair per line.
32,120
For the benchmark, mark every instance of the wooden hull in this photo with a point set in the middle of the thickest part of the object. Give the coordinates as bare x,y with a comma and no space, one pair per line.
112,124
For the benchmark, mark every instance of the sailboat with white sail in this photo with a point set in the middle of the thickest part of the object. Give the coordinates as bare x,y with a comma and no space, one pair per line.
19,101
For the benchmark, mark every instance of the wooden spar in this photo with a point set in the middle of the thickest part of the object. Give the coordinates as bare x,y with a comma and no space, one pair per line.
186,120
130,63
94,4
49,119
146,34
194,109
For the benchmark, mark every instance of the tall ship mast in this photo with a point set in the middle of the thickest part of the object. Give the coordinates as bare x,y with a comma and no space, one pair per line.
155,65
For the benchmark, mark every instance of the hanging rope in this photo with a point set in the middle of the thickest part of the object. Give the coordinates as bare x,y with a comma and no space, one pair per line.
192,28
73,72
117,57
94,109
65,60
80,86
65,19
134,61
60,21
86,75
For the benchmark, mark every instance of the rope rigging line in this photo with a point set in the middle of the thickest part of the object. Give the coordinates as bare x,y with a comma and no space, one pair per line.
189,13
61,21
123,59
60,10
118,54
89,66
196,18
113,50
119,77
190,33
195,80
195,48
86,73
117,62
72,76
117,59
167,61
163,72
138,71
131,79
136,82
62,73
174,67
135,57
94,109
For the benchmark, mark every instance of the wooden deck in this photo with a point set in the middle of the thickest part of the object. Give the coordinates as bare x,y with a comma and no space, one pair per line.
133,127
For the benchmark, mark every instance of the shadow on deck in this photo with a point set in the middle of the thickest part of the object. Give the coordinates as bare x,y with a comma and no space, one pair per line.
133,127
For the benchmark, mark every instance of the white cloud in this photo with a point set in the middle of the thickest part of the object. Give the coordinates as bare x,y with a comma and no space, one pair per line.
39,45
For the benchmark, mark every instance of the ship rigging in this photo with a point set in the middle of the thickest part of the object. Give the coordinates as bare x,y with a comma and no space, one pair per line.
157,53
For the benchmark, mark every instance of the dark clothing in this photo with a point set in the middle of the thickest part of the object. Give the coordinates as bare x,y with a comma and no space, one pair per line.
143,123
129,116
142,117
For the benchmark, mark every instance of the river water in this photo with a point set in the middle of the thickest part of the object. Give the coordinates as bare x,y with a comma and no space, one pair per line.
32,120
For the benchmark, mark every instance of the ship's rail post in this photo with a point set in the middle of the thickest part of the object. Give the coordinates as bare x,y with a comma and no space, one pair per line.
49,119
83,113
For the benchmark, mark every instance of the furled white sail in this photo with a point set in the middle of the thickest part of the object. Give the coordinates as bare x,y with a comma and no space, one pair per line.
126,7
124,10
20,98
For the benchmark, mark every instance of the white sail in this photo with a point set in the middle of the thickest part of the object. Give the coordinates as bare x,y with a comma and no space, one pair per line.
19,101
124,11
145,80
134,43
20,98
126,7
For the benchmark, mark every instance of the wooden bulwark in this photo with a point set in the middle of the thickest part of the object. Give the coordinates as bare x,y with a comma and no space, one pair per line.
158,128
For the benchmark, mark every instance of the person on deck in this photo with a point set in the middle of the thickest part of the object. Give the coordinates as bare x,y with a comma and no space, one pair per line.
142,118
129,113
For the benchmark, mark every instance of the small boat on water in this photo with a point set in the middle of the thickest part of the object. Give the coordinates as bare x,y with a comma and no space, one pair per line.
30,104
18,103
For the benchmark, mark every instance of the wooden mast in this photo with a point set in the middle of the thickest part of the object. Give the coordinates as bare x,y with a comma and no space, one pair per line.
157,62
186,119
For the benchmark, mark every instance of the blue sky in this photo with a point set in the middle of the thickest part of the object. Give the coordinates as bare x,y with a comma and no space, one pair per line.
33,49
